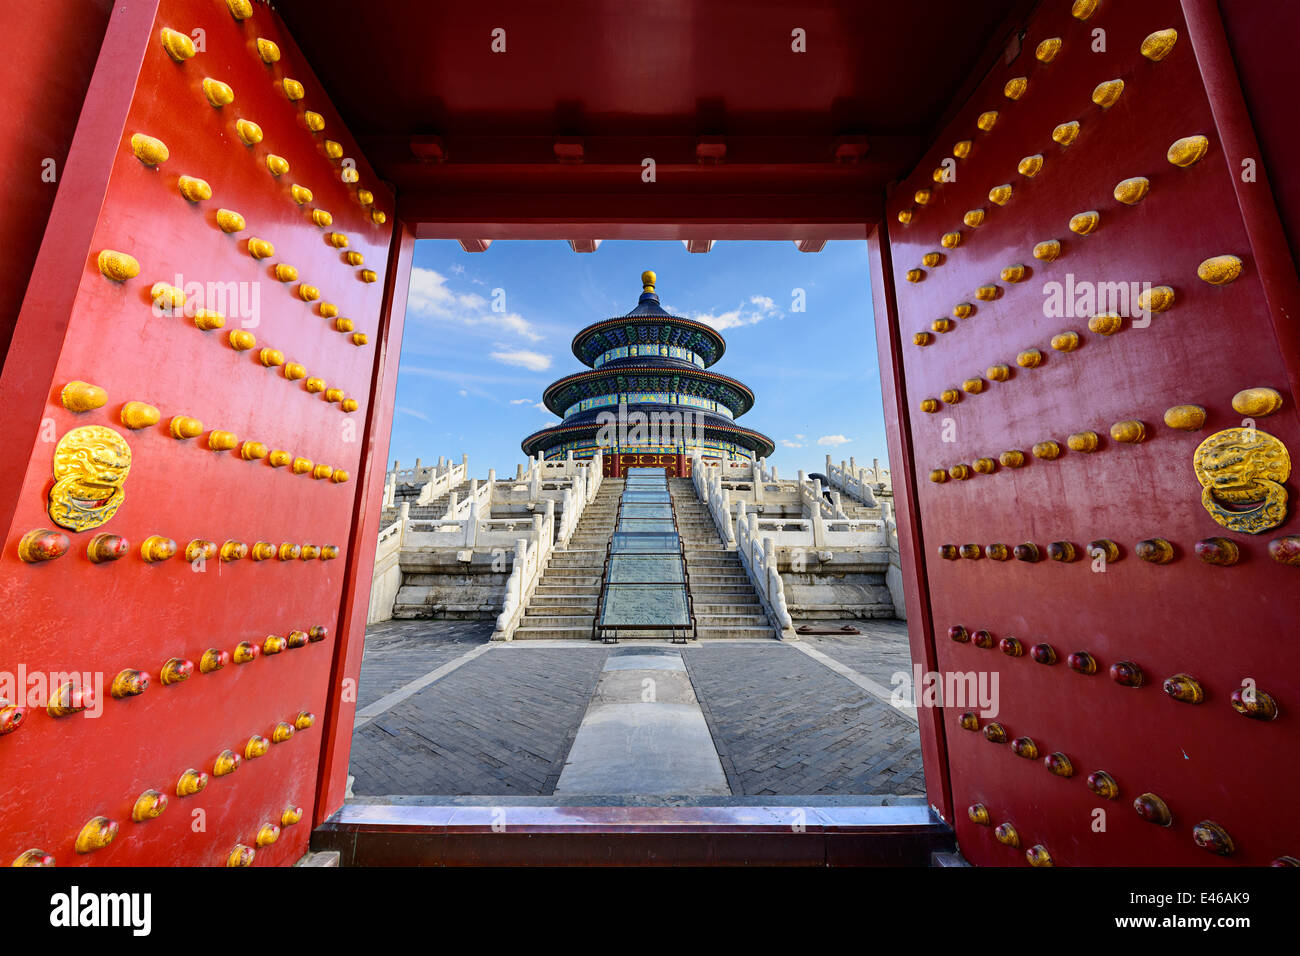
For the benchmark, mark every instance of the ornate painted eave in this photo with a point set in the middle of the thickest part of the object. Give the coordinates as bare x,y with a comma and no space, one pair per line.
548,437
561,394
647,328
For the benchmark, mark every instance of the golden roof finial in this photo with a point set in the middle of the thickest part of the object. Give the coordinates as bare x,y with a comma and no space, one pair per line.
648,281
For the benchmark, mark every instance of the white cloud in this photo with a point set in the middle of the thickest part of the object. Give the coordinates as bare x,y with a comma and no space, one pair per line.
833,440
464,392
402,410
524,358
521,401
786,443
760,307
799,437
541,407
430,298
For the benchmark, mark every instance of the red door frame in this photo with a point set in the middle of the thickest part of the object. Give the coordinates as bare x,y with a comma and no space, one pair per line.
47,311
783,218
43,323
898,440
340,713
339,718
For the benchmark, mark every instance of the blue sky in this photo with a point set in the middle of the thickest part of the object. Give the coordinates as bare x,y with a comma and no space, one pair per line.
471,376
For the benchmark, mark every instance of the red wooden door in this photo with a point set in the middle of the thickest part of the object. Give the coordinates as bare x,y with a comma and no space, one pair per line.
226,438
1019,401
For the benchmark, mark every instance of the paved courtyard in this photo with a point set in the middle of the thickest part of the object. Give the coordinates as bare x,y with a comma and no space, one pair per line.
443,712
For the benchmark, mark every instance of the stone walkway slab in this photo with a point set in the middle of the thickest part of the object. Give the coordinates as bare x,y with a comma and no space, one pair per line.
643,733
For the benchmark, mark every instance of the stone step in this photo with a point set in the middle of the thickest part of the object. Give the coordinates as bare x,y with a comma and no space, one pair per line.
553,633
572,597
720,592
735,633
730,620
557,620
538,613
731,606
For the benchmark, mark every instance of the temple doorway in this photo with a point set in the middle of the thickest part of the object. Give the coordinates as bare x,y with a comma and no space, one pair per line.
733,718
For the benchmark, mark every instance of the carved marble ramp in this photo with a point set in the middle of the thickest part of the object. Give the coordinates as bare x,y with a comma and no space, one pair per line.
644,732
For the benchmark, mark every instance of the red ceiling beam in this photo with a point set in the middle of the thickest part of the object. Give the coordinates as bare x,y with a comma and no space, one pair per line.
640,215
428,149
472,148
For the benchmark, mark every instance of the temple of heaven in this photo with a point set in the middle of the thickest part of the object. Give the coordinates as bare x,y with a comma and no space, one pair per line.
647,399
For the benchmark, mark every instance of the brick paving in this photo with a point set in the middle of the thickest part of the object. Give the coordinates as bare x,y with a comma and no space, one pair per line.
499,725
397,652
879,652
785,724
502,724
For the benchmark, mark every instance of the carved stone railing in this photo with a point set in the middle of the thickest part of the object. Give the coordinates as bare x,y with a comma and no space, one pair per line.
861,484
708,488
812,500
757,555
479,495
817,532
436,480
577,496
386,577
531,557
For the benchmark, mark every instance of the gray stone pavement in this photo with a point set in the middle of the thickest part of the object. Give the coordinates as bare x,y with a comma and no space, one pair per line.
397,652
879,652
503,723
785,724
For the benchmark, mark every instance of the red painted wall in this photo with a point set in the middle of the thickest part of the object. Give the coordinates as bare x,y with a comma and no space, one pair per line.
50,53
1262,41
71,614
1220,624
